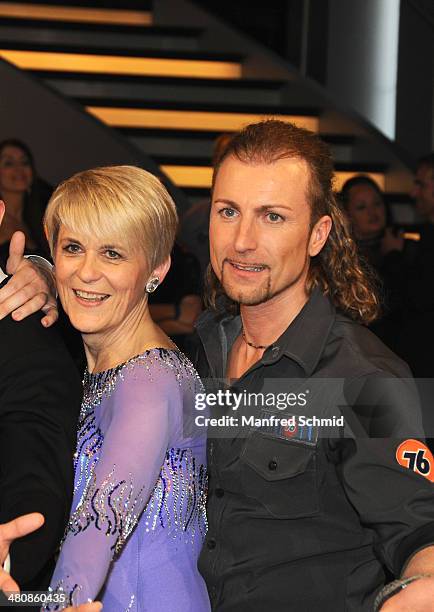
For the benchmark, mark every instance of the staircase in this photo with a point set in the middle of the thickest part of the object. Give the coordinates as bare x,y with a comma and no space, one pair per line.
162,88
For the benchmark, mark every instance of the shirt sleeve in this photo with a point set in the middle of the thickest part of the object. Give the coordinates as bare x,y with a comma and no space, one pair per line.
39,410
392,496
133,450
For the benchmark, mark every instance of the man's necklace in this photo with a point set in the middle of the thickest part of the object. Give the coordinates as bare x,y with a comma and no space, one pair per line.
255,346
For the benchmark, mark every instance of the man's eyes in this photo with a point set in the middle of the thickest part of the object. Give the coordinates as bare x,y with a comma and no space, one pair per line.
274,217
227,213
230,213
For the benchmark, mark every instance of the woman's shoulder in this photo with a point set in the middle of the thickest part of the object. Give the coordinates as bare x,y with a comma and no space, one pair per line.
161,364
160,371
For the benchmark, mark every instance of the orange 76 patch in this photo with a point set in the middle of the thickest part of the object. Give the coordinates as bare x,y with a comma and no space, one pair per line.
416,456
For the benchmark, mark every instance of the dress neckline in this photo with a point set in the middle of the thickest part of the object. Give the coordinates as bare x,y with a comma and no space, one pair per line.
99,384
119,366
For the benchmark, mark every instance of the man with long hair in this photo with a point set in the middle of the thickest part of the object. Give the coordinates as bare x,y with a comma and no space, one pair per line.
305,517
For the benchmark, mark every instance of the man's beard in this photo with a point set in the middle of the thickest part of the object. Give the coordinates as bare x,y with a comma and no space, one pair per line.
256,295
252,297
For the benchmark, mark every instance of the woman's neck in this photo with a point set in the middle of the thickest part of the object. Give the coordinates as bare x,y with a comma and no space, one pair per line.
135,335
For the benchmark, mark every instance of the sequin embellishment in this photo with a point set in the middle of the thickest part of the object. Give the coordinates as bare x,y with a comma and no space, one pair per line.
111,502
112,508
89,443
185,484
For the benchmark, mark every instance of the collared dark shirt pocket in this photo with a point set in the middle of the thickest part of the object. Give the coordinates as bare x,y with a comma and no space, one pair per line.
281,475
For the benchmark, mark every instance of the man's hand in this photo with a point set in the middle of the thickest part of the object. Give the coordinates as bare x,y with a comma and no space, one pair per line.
416,597
17,528
30,289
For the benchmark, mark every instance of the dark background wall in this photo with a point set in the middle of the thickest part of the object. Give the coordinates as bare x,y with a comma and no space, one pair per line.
415,92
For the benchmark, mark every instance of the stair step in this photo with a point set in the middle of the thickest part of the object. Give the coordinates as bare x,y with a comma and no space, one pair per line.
106,87
54,12
87,35
211,135
200,144
121,53
159,116
213,106
199,82
154,63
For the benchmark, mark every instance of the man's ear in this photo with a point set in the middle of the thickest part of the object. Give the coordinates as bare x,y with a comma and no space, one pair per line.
161,270
320,233
2,210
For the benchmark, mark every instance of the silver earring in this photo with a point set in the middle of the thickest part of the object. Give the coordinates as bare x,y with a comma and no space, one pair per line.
152,284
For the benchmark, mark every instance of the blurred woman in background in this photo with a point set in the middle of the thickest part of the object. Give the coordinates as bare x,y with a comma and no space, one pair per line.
25,197
380,246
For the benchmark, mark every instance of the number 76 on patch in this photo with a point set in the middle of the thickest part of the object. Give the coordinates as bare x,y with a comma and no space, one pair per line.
416,456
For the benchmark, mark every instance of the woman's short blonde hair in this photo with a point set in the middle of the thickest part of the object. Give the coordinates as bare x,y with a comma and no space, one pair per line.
116,202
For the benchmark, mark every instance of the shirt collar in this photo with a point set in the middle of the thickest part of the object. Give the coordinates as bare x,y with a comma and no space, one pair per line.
305,338
303,341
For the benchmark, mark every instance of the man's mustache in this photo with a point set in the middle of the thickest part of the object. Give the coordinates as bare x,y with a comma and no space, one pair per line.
242,262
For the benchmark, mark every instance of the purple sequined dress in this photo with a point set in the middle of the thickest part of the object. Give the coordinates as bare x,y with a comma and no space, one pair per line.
138,519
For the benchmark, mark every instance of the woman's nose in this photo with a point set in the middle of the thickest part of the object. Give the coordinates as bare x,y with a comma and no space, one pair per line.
88,270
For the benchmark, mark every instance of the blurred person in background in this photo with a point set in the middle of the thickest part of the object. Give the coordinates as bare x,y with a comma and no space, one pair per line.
381,247
423,188
25,196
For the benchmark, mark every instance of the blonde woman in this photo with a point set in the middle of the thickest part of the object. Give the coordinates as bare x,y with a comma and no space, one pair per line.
138,515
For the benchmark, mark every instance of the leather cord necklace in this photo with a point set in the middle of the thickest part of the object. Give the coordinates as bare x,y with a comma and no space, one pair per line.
255,346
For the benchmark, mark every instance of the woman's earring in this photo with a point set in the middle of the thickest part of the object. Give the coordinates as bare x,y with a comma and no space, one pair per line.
152,284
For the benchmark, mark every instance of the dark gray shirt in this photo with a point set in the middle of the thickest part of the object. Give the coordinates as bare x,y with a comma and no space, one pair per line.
313,518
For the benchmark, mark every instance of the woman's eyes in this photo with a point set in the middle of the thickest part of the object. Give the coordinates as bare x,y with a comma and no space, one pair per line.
12,164
111,254
72,248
